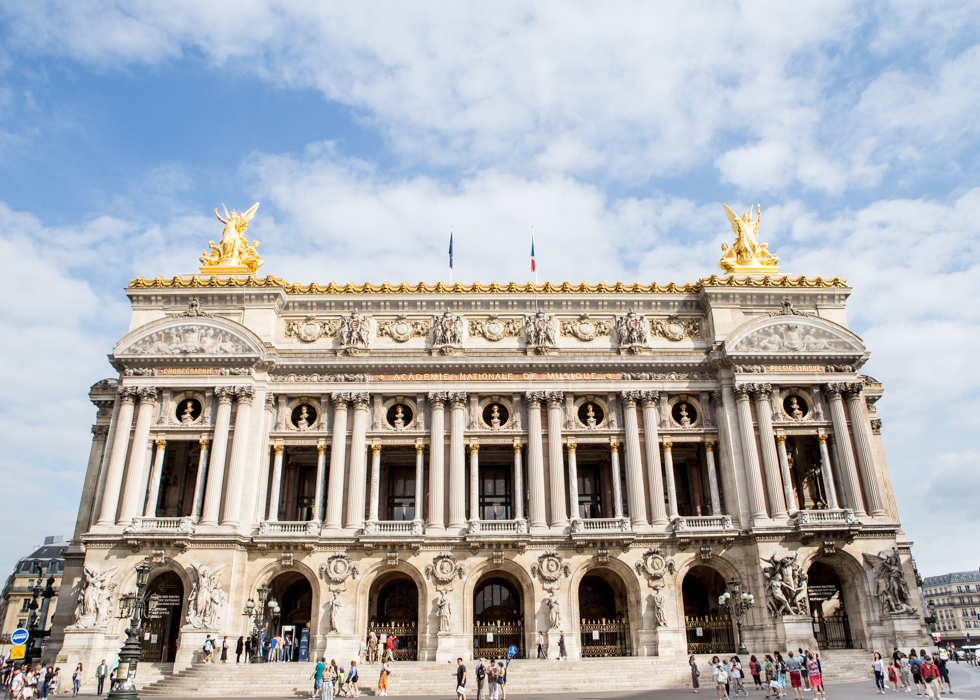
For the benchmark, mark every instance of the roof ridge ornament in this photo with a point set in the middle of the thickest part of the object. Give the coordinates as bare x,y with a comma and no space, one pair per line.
233,256
746,255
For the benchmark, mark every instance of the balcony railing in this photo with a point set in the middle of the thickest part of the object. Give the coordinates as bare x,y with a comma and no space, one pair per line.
826,517
162,525
498,527
703,523
601,525
293,528
394,527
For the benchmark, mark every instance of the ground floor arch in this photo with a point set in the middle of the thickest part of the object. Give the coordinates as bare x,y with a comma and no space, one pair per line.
498,615
393,613
603,612
831,623
709,626
292,592
164,610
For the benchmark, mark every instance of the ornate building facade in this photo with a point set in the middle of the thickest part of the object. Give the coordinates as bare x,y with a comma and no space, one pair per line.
464,466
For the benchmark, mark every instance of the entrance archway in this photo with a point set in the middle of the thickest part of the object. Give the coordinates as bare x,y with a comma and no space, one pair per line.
709,626
830,623
294,594
393,611
605,627
165,600
498,616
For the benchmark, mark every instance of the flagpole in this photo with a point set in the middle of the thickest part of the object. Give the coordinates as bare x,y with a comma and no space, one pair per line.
532,256
450,256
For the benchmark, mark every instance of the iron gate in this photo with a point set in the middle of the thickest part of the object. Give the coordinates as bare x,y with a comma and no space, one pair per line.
406,640
832,631
493,639
606,638
710,635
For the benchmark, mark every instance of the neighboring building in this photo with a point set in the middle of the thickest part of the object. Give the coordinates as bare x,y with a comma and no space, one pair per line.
45,562
954,603
463,466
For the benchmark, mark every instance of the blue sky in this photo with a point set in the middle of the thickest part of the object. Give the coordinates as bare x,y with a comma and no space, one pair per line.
616,129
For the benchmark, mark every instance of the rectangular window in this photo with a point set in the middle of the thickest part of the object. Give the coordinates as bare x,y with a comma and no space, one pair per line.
495,492
21,624
24,603
401,493
590,491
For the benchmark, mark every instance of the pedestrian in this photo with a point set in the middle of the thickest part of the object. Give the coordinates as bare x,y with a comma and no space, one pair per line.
362,652
755,668
287,647
224,650
341,681
383,678
562,653
502,679
892,675
737,675
695,673
273,653
719,674
460,680
929,673
815,675
51,687
208,649
793,668
492,680
540,642
248,649
352,679
239,648
42,682
904,673
780,673
879,670
390,648
100,674
372,648
804,672
76,680
17,684
944,672
317,678
481,677
329,681
915,663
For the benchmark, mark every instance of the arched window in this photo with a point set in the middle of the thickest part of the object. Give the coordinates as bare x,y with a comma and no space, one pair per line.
595,599
399,602
495,600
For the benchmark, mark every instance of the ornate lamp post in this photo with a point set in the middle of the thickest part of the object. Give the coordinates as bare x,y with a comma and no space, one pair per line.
122,685
256,613
738,605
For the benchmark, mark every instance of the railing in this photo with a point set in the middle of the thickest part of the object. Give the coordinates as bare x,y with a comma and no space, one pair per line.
406,640
498,527
704,522
601,525
606,638
300,527
172,525
832,631
493,639
825,516
710,635
394,527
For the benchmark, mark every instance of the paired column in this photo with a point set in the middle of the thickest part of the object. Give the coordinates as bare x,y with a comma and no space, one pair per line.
276,483
437,461
852,488
150,510
239,445
535,462
518,481
358,463
573,481
828,472
219,449
671,490
709,452
419,476
457,460
617,488
556,462
99,433
658,512
634,469
865,452
117,458
474,482
375,481
767,439
791,504
338,463
753,477
136,468
321,481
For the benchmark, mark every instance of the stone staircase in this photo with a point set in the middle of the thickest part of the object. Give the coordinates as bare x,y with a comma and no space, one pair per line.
430,678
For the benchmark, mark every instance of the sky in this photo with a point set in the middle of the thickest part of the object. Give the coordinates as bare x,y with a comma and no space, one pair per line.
368,130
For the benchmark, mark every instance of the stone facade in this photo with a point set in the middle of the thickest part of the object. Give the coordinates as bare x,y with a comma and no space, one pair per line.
594,460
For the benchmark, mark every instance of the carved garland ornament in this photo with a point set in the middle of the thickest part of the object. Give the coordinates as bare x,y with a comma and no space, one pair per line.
550,566
654,566
445,567
339,568
675,328
401,329
495,328
310,329
584,328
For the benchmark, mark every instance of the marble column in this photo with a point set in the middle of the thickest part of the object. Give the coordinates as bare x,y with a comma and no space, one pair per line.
791,505
321,481
99,434
357,485
709,453
274,493
457,461
375,482
753,476
419,479
827,471
852,488
762,393
219,449
572,480
634,469
658,511
474,482
150,509
518,481
671,490
338,463
136,469
535,463
865,452
236,466
617,488
104,464
437,462
556,462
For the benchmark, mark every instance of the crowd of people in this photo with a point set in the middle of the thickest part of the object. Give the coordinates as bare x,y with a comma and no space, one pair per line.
925,673
799,671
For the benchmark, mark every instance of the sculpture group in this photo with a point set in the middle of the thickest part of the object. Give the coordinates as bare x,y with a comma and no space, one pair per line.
93,606
891,588
786,590
206,599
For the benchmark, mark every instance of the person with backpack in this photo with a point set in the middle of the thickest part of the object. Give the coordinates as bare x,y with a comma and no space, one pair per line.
352,689
208,649
915,663
780,673
755,668
481,677
719,674
929,673
943,672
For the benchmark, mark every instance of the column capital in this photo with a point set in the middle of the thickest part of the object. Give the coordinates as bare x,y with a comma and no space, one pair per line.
128,394
320,449
709,445
742,391
668,444
571,446
100,432
270,402
780,439
147,394
375,448
852,390
245,394
518,445
474,448
649,398
822,438
554,398
340,399
419,448
876,426
716,398
613,444
161,443
224,393
629,397
279,449
361,400
834,390
437,399
760,391
534,398
457,399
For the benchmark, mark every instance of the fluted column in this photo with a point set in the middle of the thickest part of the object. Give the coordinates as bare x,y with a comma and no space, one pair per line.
276,483
239,445
375,481
457,460
474,481
753,476
556,462
617,488
117,459
791,504
767,439
865,452
136,469
321,481
357,485
535,463
852,488
99,433
634,469
518,481
419,476
827,471
150,510
338,463
572,481
671,489
709,452
658,512
219,449
437,461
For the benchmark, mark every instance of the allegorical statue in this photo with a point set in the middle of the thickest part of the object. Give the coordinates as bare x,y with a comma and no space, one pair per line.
336,610
891,588
233,253
554,608
447,329
786,586
206,599
659,602
93,606
445,610
354,330
539,330
632,328
746,254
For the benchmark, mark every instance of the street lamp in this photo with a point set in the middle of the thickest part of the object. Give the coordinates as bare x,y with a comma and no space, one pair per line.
737,605
123,687
256,612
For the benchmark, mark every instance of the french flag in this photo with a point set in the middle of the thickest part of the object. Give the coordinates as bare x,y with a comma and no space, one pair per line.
533,269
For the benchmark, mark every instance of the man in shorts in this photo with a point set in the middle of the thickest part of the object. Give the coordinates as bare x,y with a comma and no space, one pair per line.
460,680
793,666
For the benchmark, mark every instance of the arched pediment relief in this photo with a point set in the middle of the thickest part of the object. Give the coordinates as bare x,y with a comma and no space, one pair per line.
190,337
787,335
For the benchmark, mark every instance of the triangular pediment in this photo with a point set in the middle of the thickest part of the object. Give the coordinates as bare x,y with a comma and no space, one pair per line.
794,335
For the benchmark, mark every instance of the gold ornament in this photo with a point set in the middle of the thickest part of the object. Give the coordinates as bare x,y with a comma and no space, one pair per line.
233,256
746,255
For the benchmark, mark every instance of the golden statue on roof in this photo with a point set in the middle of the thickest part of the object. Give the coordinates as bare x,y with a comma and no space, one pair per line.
746,255
233,255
